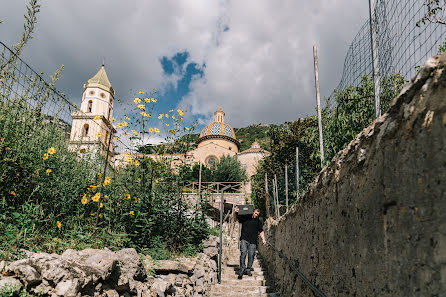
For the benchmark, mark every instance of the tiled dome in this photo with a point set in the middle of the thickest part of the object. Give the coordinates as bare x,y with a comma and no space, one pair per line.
218,128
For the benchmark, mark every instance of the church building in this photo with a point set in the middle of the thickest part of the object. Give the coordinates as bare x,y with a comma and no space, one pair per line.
92,132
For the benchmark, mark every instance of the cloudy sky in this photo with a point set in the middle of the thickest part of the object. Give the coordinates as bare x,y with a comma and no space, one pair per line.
254,58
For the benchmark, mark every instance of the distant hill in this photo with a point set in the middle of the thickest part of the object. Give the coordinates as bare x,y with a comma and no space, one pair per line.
246,136
256,132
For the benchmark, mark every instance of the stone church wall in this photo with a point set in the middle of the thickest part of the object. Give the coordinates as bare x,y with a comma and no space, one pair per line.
374,223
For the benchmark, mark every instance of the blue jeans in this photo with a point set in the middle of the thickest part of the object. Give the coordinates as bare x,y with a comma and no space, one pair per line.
246,248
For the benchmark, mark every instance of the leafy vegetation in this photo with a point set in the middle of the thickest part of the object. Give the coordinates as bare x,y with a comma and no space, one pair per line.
247,135
344,116
52,198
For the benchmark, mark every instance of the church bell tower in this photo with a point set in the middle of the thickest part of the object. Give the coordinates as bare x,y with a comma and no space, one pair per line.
91,128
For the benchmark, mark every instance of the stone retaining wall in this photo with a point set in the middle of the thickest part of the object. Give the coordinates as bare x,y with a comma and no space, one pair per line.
374,221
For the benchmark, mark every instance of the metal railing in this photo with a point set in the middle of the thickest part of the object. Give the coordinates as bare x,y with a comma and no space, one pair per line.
297,271
213,187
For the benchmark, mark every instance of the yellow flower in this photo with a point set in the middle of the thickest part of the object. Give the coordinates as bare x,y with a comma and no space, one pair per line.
137,100
84,196
106,196
180,112
140,92
127,196
84,200
187,128
150,130
132,213
101,205
160,116
173,117
112,119
137,163
125,133
37,173
45,156
153,99
166,115
97,118
96,197
59,224
156,130
107,182
98,134
100,216
48,171
116,138
99,175
171,110
13,193
136,199
146,100
128,118
92,214
154,89
127,154
134,132
141,106
129,160
51,151
167,125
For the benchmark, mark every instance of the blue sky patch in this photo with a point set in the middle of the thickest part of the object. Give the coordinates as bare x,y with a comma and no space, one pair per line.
186,70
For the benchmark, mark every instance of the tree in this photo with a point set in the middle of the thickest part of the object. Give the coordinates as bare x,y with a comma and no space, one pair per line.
229,169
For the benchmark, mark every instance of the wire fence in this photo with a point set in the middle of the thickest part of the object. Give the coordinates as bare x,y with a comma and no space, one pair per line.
402,46
26,96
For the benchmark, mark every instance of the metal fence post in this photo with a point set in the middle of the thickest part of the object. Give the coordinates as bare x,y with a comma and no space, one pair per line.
318,102
220,251
374,49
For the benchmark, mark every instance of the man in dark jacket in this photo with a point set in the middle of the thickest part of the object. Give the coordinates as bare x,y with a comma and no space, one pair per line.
251,228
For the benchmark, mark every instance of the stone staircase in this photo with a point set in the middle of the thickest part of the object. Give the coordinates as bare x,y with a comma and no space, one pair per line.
256,285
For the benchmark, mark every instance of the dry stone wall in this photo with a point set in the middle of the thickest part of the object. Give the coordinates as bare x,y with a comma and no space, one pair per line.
374,221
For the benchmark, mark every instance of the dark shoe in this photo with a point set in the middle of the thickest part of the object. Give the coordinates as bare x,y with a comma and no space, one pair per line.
249,273
240,274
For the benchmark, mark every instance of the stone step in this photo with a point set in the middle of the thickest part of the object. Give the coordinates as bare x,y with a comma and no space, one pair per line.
245,277
237,269
241,289
232,275
222,294
246,281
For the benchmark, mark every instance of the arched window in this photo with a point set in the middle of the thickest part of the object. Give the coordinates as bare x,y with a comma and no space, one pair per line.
85,130
90,106
211,161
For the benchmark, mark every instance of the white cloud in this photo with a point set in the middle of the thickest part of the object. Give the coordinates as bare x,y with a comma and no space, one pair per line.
260,70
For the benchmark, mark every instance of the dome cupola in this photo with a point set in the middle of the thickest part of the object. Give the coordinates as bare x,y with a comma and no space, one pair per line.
218,129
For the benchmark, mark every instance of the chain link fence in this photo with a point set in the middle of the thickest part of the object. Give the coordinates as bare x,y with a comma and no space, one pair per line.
402,46
34,104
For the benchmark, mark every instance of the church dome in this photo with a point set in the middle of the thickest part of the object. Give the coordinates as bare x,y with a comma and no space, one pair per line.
218,128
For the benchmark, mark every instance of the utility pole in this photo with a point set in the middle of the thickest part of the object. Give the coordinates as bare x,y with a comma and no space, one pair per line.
318,102
375,61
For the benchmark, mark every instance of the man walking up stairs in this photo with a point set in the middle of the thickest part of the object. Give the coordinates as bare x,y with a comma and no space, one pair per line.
257,284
